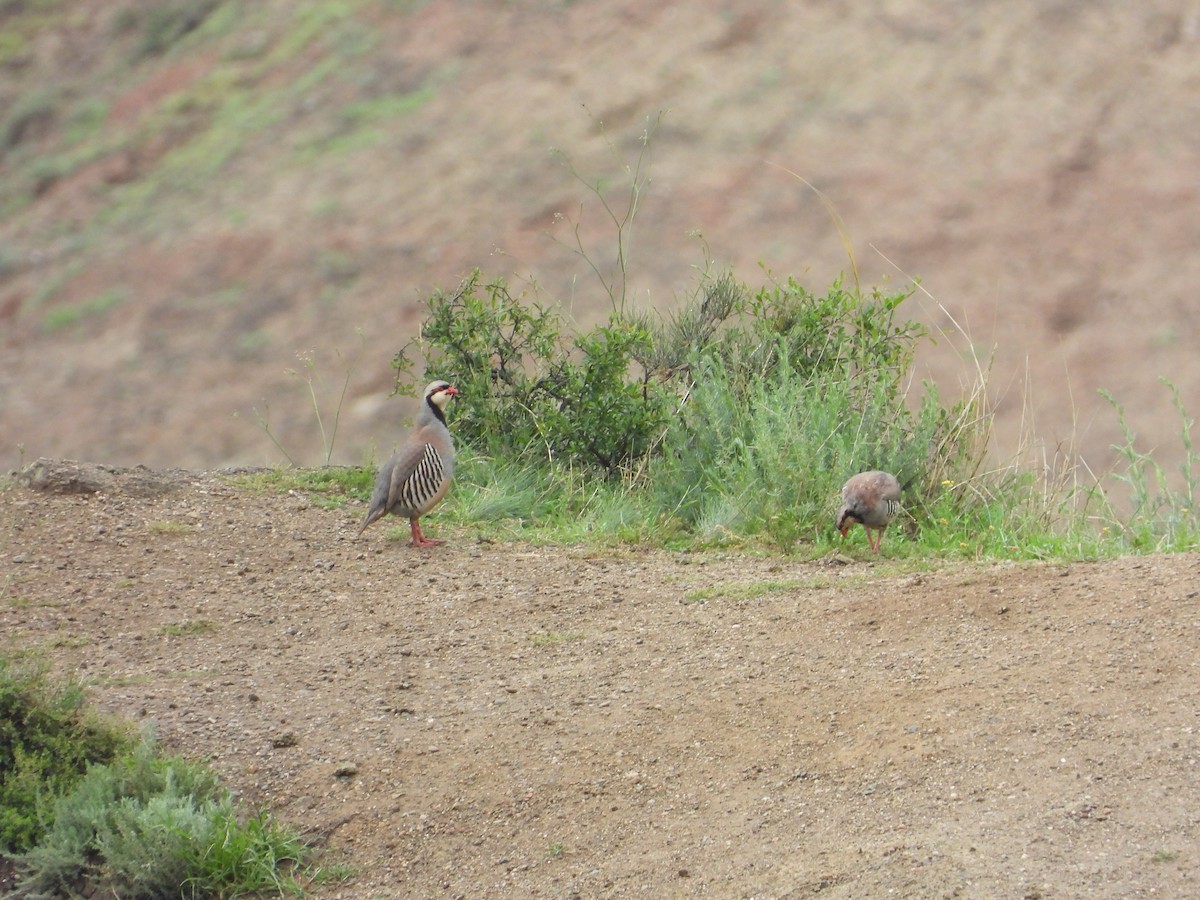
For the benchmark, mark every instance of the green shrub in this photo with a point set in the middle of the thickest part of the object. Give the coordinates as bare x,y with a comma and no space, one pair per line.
840,335
747,410
148,826
47,742
86,809
529,388
128,825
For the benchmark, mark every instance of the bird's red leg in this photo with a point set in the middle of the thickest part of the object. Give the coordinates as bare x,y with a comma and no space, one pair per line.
419,539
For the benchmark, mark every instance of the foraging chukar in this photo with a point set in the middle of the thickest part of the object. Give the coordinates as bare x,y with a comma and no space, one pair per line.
872,499
416,478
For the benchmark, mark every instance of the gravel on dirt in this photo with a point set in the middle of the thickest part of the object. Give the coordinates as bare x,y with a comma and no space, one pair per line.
490,719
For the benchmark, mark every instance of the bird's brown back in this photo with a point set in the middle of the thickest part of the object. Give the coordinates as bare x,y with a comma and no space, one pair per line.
872,497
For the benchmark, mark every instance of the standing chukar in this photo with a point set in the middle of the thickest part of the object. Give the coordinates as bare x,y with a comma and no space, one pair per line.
416,478
872,499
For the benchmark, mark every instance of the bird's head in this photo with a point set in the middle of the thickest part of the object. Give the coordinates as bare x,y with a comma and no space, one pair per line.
438,393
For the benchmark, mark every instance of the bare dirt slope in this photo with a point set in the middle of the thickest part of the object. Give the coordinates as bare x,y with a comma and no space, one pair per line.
504,720
177,227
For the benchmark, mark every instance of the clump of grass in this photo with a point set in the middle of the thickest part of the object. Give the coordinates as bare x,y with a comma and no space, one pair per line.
61,317
1162,510
754,589
334,483
510,498
71,641
164,527
189,626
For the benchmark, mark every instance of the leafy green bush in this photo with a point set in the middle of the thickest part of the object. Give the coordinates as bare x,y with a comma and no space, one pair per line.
746,410
840,335
529,388
47,742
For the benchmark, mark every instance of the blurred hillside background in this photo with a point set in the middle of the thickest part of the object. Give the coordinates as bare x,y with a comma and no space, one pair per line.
207,205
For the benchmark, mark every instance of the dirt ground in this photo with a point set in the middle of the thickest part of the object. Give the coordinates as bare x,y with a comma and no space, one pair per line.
501,720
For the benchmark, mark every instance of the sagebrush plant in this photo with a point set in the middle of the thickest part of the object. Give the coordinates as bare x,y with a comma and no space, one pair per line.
793,395
127,826
149,826
48,739
88,808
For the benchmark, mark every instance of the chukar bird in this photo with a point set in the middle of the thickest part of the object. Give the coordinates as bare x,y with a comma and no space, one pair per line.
416,478
872,499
